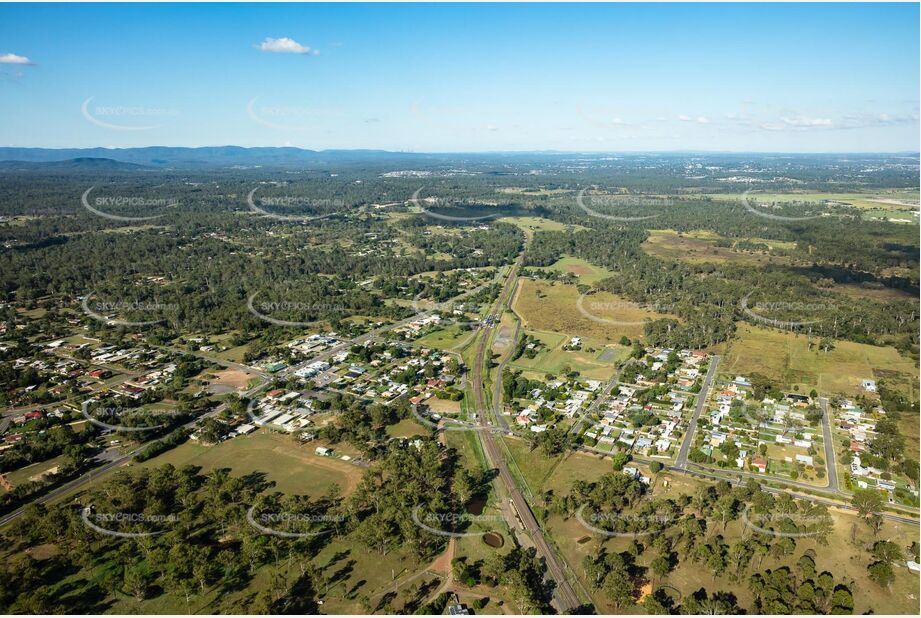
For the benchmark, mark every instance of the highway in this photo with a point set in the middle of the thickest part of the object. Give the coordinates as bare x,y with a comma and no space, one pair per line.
564,596
682,460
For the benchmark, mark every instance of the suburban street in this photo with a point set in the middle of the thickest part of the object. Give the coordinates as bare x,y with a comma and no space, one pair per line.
829,443
682,460
112,461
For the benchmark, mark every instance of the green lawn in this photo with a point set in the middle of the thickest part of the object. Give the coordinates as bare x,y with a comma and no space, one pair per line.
586,271
293,467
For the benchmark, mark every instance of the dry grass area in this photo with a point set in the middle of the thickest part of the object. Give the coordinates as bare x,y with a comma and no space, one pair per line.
234,378
554,307
882,294
699,247
785,357
294,467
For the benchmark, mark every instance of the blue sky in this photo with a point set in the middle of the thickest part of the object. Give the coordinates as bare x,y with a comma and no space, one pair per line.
425,77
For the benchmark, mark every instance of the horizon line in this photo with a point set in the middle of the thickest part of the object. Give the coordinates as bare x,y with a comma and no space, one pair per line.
483,152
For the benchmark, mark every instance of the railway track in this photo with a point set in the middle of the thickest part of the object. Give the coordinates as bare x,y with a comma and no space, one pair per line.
564,596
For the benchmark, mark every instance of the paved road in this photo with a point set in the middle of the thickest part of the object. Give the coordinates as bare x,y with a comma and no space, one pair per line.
699,472
564,596
830,464
345,345
112,462
601,398
682,460
115,462
497,386
775,490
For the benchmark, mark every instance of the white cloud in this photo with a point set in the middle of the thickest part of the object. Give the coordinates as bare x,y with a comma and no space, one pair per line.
803,121
14,59
698,120
284,45
863,120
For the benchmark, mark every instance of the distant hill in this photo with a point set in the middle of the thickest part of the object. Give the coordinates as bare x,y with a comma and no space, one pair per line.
71,165
165,157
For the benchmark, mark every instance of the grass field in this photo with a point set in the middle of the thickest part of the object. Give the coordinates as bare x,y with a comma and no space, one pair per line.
555,307
892,200
445,338
882,294
784,357
544,473
599,364
294,467
539,224
699,247
407,428
585,271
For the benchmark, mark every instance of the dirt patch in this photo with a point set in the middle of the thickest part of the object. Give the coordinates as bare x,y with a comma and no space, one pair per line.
645,591
5,483
579,269
235,379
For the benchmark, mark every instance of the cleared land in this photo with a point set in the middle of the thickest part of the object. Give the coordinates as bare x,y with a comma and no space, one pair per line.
599,363
892,200
529,225
554,307
700,247
785,357
294,467
229,380
585,271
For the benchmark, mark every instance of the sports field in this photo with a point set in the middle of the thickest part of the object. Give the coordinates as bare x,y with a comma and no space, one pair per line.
592,361
294,467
